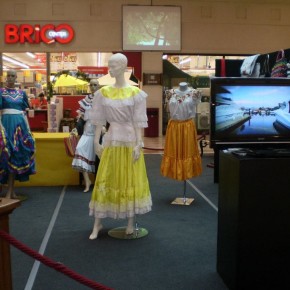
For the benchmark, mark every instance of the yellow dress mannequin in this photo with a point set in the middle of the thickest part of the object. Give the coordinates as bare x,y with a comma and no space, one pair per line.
121,188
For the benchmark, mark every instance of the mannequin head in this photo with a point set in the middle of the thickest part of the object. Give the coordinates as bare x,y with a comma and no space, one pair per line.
117,64
11,78
94,85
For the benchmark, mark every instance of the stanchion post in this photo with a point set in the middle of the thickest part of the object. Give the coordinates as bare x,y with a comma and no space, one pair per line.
6,207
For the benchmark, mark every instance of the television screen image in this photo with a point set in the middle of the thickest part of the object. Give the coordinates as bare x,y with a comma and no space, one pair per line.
250,110
151,28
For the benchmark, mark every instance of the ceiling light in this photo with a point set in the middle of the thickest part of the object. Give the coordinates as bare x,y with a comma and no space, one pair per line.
36,69
185,60
32,55
11,60
99,59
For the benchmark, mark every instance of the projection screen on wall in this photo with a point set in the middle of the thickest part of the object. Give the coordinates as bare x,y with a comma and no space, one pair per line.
152,28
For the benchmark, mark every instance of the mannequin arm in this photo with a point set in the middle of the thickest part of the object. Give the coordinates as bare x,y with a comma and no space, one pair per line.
139,144
98,147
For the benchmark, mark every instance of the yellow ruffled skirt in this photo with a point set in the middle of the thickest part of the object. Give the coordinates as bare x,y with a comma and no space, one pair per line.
121,188
181,159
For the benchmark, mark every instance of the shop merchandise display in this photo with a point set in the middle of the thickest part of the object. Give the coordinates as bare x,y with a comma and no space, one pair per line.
181,159
70,143
279,70
265,68
121,188
18,148
250,67
84,157
54,114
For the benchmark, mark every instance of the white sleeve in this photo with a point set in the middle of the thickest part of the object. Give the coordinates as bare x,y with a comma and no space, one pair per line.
140,116
97,113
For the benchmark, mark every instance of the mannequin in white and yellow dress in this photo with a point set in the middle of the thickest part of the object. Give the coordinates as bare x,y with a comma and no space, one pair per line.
121,188
181,159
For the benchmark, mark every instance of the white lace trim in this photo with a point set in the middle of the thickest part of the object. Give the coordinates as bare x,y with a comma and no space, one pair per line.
116,212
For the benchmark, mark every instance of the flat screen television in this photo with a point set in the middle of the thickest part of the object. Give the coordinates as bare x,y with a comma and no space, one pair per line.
151,28
250,111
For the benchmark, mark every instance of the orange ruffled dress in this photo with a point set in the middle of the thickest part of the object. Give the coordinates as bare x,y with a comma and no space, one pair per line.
181,159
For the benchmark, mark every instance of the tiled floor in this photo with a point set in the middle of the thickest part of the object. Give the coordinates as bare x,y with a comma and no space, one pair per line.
155,145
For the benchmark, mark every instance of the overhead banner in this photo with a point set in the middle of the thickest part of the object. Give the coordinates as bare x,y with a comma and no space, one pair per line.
63,61
99,70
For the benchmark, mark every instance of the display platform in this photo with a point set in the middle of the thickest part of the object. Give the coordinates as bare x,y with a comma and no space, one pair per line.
254,220
53,166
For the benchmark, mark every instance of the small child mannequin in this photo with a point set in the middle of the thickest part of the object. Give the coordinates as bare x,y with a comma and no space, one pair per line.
84,159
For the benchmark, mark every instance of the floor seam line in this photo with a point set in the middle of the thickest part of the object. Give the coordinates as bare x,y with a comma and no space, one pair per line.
203,196
45,240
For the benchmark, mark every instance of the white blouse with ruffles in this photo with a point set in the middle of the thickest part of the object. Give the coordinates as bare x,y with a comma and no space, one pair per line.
182,105
124,109
83,111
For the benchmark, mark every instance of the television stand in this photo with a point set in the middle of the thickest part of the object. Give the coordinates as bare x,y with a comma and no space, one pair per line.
253,222
263,150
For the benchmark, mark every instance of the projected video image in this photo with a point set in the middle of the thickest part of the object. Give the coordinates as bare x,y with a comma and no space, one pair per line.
151,28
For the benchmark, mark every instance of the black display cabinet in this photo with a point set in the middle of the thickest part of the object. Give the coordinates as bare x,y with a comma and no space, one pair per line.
253,245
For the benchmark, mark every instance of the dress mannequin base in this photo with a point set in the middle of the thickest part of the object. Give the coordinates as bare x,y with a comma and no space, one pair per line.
126,233
183,200
120,233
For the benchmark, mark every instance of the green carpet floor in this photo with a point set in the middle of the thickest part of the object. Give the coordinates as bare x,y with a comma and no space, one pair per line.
179,251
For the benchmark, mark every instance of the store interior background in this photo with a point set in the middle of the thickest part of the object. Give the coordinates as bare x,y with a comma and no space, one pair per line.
210,29
32,74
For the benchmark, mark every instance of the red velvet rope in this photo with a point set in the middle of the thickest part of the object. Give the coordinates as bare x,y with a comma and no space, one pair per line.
52,264
158,149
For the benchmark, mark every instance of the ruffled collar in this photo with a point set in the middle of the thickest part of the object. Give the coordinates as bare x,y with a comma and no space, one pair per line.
119,93
120,97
